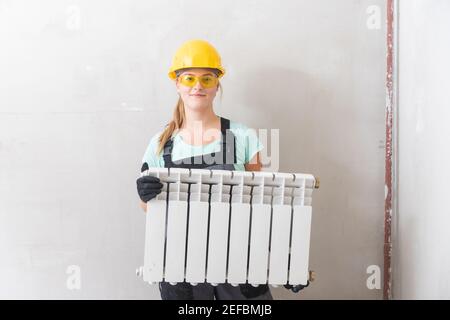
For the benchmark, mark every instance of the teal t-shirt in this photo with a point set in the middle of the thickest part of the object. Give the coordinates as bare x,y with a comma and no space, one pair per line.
247,145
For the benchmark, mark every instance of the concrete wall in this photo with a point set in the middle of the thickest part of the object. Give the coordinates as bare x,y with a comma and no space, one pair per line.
83,87
422,246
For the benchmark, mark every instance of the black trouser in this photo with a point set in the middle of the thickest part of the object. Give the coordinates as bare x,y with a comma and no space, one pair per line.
206,291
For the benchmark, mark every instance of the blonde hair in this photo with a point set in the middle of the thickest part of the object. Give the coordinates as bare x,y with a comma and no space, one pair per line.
176,123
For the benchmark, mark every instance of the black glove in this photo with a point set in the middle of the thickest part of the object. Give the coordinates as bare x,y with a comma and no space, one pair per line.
148,187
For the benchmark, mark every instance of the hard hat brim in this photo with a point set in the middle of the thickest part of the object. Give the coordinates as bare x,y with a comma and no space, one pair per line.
173,73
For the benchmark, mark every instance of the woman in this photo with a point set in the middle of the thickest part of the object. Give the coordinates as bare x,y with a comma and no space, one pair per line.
198,138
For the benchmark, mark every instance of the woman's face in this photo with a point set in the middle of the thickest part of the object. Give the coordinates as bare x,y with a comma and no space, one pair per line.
199,96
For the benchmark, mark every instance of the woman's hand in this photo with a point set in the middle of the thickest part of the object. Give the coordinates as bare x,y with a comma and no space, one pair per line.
148,187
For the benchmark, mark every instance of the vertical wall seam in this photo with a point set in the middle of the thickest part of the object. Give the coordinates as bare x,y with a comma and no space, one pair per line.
391,152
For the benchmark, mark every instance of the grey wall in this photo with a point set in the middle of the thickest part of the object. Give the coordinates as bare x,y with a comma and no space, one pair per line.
83,87
422,242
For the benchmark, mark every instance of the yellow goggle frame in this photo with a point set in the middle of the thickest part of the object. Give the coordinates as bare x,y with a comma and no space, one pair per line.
207,81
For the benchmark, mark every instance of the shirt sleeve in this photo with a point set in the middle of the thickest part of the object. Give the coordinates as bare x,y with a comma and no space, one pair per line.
150,156
252,144
247,142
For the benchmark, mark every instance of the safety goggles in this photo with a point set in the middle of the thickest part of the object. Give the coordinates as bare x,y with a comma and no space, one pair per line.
207,81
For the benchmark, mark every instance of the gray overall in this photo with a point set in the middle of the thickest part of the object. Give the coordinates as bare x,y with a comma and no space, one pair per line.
205,291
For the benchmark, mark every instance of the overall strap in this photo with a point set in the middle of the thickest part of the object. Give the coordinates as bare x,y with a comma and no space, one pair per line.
224,125
167,153
228,140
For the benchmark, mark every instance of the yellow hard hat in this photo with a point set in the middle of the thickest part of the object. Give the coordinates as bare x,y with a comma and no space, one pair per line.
196,54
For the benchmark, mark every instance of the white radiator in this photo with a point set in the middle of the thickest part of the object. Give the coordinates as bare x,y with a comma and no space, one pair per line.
228,226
